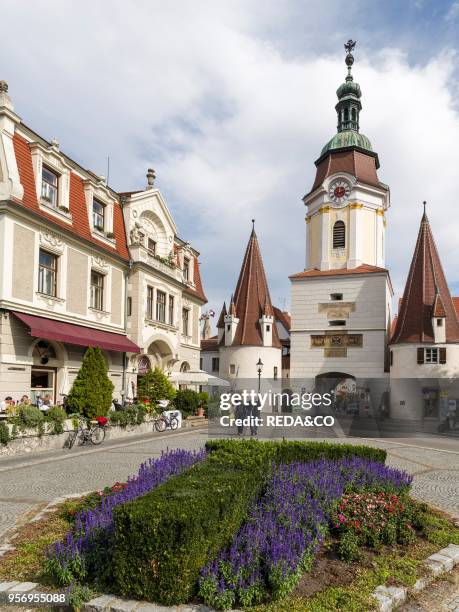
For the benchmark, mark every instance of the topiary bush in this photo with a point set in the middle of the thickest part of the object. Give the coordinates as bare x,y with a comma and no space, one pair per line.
164,538
134,415
187,401
29,417
155,386
91,393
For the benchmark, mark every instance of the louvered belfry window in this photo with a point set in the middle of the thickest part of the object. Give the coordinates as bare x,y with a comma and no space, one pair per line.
339,235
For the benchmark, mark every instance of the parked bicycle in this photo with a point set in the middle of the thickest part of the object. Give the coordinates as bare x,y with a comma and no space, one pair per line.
94,432
164,422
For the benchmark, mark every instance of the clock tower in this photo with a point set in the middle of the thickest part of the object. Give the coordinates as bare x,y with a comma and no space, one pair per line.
341,300
345,221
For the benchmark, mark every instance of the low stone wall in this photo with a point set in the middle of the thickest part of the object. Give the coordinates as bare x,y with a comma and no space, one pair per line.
30,442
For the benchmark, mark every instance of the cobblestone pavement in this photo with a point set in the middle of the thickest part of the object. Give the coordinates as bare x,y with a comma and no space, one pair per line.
441,596
31,480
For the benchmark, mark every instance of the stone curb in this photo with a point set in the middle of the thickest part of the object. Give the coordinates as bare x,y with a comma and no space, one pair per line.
389,598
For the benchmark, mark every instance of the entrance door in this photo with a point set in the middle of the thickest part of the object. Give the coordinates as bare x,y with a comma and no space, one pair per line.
43,382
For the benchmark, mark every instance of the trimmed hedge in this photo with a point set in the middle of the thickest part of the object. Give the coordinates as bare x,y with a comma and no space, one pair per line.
163,539
254,451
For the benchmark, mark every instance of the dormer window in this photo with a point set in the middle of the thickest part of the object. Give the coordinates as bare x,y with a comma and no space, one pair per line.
439,322
98,215
335,297
49,187
186,268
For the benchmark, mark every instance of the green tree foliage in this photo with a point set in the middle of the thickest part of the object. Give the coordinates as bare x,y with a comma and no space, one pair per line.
155,386
187,401
91,393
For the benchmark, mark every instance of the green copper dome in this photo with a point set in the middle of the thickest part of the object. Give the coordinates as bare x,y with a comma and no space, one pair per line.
349,88
347,138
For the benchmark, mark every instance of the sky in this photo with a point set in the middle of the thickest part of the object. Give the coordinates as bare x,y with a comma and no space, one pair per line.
231,103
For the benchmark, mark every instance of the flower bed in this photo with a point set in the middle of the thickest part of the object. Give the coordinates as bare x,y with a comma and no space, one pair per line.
87,548
279,539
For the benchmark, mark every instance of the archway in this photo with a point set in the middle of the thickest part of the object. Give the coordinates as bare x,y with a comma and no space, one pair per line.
160,353
328,381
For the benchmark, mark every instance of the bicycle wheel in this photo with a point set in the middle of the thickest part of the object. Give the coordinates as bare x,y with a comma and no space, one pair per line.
174,422
80,437
97,435
161,424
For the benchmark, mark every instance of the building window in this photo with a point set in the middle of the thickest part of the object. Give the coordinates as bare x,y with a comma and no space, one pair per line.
185,321
151,246
215,364
338,322
392,358
186,268
150,302
49,186
97,290
232,369
439,322
268,328
171,310
275,372
432,355
339,235
200,363
98,215
129,307
336,297
161,306
47,273
228,328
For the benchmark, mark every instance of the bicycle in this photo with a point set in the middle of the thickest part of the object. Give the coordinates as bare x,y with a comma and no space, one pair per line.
94,434
163,422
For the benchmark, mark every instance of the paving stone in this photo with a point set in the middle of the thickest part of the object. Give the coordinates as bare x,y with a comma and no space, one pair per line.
23,587
4,586
452,553
384,603
419,585
447,562
123,605
398,594
99,603
434,567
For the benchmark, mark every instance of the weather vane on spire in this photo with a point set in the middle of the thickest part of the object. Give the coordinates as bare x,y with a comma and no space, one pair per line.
350,46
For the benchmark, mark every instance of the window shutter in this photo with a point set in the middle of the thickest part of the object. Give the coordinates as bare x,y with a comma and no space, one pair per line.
420,355
443,354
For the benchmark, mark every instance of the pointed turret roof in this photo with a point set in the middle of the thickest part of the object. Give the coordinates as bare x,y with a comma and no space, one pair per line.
221,318
426,294
251,299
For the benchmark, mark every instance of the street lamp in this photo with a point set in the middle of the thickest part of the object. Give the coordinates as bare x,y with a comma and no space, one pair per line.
259,370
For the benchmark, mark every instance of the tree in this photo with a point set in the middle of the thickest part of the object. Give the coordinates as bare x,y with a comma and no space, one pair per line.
155,386
91,393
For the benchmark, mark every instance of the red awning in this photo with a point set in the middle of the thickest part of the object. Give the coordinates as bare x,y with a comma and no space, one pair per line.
39,327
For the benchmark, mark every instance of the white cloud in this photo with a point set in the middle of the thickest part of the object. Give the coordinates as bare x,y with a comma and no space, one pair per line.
231,124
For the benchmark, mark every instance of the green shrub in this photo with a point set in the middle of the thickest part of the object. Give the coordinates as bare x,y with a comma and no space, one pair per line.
29,417
155,386
4,433
56,417
134,415
91,393
187,401
254,451
164,538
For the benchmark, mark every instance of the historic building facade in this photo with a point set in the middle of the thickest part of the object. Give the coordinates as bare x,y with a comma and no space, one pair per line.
341,301
76,272
247,331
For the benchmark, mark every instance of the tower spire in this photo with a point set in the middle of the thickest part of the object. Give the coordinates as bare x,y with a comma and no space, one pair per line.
349,94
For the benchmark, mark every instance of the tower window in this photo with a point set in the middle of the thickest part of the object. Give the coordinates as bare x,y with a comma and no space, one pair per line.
439,322
354,115
346,114
336,296
335,323
339,235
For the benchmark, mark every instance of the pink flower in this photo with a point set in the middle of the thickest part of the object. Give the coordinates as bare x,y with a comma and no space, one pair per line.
341,518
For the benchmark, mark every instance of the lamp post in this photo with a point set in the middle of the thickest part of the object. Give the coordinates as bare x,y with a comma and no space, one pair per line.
259,370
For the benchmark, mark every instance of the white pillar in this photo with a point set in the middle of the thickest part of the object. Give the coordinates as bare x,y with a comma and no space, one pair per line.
325,239
355,237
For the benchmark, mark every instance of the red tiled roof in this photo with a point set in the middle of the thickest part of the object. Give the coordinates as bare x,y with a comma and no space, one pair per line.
221,318
456,305
425,287
438,308
211,344
252,299
363,269
198,290
77,203
357,163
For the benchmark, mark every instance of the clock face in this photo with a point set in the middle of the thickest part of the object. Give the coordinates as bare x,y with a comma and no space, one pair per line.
339,191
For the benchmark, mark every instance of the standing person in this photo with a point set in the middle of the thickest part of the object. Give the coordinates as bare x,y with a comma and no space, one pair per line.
240,413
